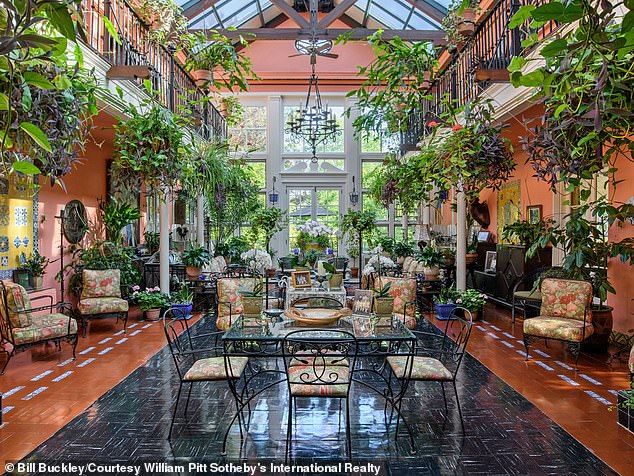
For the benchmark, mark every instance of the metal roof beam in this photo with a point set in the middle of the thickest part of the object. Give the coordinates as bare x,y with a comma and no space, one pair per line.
291,13
432,11
336,12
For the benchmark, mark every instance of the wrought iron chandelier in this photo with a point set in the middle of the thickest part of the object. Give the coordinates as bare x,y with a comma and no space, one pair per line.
314,123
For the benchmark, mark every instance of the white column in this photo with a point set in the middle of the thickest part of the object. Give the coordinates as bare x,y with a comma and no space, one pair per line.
461,239
200,220
164,248
275,115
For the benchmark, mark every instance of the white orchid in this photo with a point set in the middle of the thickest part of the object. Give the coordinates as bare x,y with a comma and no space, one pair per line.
314,229
259,260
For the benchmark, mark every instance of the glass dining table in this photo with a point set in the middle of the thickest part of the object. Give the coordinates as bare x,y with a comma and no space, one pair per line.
261,339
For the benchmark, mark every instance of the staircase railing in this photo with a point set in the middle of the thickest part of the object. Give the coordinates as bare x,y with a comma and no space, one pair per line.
175,87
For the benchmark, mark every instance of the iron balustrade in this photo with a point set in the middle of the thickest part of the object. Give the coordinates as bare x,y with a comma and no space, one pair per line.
175,88
491,47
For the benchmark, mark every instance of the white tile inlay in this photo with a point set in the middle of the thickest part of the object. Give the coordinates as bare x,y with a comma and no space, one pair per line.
106,350
492,335
41,376
481,328
613,392
496,328
118,333
63,376
86,362
521,352
598,397
590,379
7,409
510,336
484,322
103,341
85,351
132,326
12,391
564,365
66,362
568,379
146,326
34,393
135,332
543,354
544,366
121,341
508,344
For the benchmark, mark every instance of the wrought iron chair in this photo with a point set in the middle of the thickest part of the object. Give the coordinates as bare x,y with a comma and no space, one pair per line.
565,314
20,328
404,292
525,294
101,297
437,358
319,363
195,363
229,300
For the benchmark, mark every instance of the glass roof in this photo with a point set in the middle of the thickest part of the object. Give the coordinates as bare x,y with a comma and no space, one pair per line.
390,14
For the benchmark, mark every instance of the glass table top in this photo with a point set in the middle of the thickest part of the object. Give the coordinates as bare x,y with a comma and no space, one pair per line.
363,328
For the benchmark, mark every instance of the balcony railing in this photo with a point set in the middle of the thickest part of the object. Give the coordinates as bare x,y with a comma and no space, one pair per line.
491,47
176,89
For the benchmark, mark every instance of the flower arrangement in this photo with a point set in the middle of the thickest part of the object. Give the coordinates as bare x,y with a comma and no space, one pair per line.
471,299
447,295
151,298
377,261
258,260
313,232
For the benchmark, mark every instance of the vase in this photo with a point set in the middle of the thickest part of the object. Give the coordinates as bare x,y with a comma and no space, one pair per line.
354,272
252,305
443,311
186,309
152,314
431,273
384,306
193,272
335,281
37,282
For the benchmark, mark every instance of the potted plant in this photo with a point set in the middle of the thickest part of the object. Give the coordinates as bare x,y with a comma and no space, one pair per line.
232,110
445,302
402,250
448,257
431,258
252,299
150,301
335,279
36,265
195,258
268,221
183,300
471,299
358,225
115,216
311,256
383,301
472,249
525,232
258,260
460,22
313,235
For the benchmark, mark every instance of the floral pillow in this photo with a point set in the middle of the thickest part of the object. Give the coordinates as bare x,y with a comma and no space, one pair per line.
566,298
101,283
19,305
229,297
403,290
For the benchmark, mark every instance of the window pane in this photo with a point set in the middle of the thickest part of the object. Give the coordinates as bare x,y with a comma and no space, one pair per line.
366,169
259,173
370,204
250,134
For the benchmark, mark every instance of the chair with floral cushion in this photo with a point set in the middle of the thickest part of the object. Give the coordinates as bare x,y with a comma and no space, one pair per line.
198,358
565,314
319,363
403,290
21,329
101,297
229,300
437,358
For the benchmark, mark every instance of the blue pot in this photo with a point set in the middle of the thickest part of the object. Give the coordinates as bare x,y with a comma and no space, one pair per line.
185,308
443,311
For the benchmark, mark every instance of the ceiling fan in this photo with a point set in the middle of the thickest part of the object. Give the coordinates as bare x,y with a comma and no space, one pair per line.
313,48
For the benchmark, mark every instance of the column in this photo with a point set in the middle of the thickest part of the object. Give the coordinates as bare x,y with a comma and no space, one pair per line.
164,247
275,133
200,220
461,239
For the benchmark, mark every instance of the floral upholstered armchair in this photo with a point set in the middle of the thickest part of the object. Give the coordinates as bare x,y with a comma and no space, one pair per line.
20,328
230,300
403,290
101,297
565,314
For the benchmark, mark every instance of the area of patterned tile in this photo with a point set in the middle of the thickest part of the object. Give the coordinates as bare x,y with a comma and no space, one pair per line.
505,433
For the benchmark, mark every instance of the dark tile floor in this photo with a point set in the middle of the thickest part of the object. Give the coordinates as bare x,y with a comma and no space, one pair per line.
505,434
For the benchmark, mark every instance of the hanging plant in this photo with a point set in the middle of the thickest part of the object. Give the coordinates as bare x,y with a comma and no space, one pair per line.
459,23
47,118
164,18
150,147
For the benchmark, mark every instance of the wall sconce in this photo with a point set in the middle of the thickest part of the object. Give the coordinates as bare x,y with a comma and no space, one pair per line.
354,195
273,195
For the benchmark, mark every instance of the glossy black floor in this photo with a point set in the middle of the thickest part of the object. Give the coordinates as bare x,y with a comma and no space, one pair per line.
505,434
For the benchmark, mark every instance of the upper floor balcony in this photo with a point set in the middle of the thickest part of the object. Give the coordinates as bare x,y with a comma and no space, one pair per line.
135,52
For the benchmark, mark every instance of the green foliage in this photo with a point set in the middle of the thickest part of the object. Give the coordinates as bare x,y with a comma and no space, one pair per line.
257,291
403,249
36,263
268,221
430,256
115,216
151,147
312,255
447,295
164,19
525,232
233,248
393,84
330,269
152,241
387,244
183,296
384,292
232,110
471,299
196,256
151,298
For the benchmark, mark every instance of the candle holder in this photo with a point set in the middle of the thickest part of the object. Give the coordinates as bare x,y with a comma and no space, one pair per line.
321,278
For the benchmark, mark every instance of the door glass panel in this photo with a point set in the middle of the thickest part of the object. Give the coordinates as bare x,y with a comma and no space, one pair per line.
313,204
299,211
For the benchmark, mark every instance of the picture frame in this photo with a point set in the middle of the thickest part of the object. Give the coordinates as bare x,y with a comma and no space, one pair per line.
534,213
23,278
490,262
362,303
301,279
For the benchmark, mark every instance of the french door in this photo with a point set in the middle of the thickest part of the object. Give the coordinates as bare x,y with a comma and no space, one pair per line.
313,203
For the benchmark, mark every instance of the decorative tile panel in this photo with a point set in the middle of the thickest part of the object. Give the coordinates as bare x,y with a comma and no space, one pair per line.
18,211
21,216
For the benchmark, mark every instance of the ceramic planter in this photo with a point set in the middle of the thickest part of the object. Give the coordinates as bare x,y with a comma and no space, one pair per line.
252,305
152,314
354,272
202,76
625,416
467,26
37,282
431,273
384,306
186,309
443,311
335,281
193,272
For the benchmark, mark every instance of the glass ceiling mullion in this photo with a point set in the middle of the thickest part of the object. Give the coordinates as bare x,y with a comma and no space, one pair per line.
409,17
237,12
260,14
366,14
215,10
386,12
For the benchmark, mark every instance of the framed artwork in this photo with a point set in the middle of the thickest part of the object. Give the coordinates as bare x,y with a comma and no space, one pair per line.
534,213
362,303
490,262
301,279
23,278
508,205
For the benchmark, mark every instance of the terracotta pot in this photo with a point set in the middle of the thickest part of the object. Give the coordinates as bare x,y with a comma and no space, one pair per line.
354,272
152,315
384,306
602,321
270,272
193,272
431,273
471,258
335,281
252,305
202,76
313,246
469,15
37,282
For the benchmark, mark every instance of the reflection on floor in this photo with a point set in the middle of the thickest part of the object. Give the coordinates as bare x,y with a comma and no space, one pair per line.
505,432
